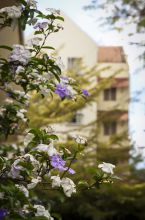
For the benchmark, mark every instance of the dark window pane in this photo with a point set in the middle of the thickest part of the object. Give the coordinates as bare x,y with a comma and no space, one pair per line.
113,127
110,94
113,93
77,118
110,128
106,129
74,64
106,94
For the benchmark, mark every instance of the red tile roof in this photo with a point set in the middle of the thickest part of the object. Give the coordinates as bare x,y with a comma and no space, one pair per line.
111,55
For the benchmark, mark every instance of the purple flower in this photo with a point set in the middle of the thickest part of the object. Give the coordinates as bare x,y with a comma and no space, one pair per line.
71,171
41,25
3,213
58,163
62,90
85,92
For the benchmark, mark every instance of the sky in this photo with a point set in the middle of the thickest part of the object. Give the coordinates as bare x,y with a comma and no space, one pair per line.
107,37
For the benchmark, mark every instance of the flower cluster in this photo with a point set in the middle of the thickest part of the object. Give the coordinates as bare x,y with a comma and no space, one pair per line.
107,167
20,54
66,183
36,161
11,12
32,3
58,163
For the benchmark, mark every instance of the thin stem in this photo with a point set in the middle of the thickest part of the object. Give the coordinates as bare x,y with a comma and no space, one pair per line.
45,37
75,154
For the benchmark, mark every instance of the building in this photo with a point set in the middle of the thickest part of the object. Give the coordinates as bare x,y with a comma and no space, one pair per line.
113,100
110,109
74,45
8,35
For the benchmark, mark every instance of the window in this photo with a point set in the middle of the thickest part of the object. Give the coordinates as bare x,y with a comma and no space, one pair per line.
110,128
74,64
110,94
77,118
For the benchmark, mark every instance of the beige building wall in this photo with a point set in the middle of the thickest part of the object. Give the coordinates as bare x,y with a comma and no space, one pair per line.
8,35
121,102
114,63
72,42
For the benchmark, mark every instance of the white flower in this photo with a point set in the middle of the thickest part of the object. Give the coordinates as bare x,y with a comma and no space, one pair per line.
2,110
44,90
23,189
72,92
16,169
20,53
51,150
30,158
59,63
9,101
20,69
2,195
14,146
107,167
79,139
56,181
53,11
34,182
18,77
32,3
47,148
41,211
48,129
68,186
34,41
28,138
20,114
12,12
25,209
20,93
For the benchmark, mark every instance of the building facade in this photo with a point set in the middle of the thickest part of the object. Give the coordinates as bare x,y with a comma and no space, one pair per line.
74,46
110,109
112,104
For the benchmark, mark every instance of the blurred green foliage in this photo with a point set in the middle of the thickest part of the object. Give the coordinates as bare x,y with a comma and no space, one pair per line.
110,202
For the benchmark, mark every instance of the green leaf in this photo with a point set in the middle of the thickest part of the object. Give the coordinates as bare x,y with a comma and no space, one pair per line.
53,136
37,32
47,47
56,76
23,2
83,183
59,18
1,162
6,47
116,177
57,216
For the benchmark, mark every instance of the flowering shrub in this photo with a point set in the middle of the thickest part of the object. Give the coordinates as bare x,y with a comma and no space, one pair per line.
36,161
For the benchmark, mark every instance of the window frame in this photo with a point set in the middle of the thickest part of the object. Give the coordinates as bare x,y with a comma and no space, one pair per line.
73,64
110,94
110,128
77,118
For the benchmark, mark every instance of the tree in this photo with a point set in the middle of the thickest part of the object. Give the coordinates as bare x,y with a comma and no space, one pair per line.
130,11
